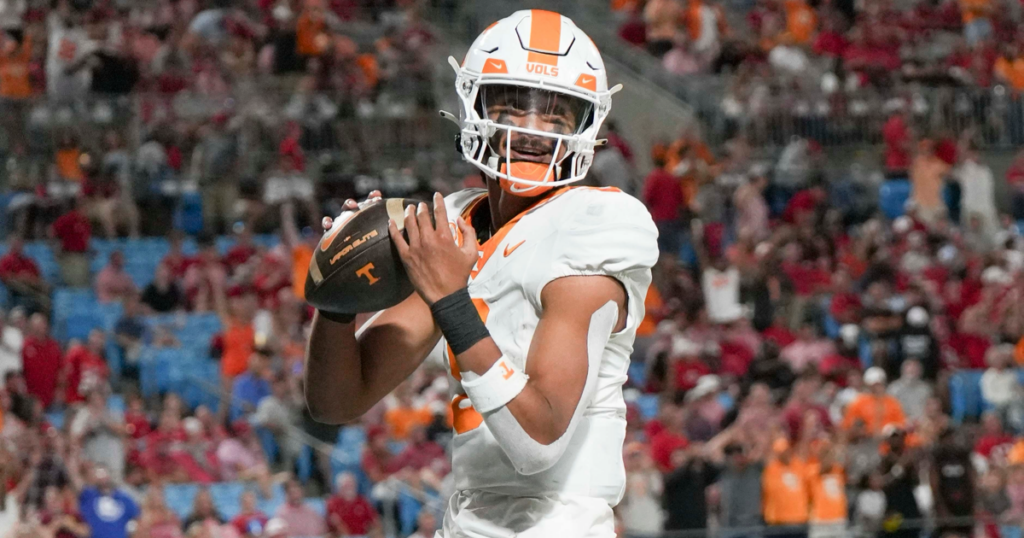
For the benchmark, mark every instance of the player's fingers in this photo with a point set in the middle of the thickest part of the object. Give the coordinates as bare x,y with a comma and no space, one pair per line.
374,195
441,217
396,236
469,243
423,216
350,205
412,228
326,223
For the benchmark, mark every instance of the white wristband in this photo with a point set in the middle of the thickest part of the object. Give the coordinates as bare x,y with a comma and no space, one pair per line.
497,387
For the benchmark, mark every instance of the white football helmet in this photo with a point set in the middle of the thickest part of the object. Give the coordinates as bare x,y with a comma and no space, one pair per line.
533,63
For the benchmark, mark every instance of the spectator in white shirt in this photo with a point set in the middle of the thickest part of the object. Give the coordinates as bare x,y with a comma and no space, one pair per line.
11,341
978,191
999,382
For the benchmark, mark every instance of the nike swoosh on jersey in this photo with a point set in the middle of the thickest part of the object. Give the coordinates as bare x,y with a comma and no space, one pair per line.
509,251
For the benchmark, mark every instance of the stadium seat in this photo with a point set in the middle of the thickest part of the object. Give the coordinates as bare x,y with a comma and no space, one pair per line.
304,464
270,505
115,404
893,196
408,509
965,395
55,419
189,215
637,373
180,497
648,404
162,370
79,325
227,498
319,505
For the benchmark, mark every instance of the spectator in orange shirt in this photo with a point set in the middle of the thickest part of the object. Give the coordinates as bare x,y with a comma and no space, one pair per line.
874,408
827,480
311,32
15,86
801,22
237,309
404,417
1009,68
927,175
68,159
784,490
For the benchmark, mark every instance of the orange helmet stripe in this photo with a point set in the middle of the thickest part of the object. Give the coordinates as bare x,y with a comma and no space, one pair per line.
545,36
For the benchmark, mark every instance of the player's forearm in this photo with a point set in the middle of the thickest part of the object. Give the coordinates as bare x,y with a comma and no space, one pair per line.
538,415
348,371
333,376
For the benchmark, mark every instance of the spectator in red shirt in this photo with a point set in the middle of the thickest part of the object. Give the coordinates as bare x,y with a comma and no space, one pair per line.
113,283
242,251
420,452
994,444
378,462
1015,179
663,196
349,513
250,521
72,231
22,278
670,438
85,367
135,418
897,138
801,403
41,357
830,42
176,260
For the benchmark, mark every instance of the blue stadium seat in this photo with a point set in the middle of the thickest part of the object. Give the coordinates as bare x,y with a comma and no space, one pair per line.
637,373
270,505
162,370
965,395
189,215
227,498
115,404
648,404
304,464
268,443
180,498
79,325
202,385
893,196
56,419
5,298
319,505
42,254
66,300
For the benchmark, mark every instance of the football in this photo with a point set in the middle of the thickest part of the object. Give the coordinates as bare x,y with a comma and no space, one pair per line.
355,267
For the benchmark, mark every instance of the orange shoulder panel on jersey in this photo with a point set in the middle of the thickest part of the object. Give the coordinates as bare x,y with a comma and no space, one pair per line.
545,35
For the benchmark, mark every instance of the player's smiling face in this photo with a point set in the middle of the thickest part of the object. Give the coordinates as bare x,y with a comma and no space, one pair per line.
534,109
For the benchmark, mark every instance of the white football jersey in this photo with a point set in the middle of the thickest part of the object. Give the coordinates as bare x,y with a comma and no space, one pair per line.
573,232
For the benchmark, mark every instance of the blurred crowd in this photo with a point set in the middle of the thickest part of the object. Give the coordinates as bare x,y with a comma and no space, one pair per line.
788,66
879,42
803,345
245,104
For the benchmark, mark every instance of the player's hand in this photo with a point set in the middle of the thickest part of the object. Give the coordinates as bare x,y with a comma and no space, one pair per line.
350,206
436,265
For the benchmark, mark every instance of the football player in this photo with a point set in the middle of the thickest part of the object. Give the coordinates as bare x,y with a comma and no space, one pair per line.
536,289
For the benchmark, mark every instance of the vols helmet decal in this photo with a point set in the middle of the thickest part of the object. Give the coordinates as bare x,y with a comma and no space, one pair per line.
533,95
